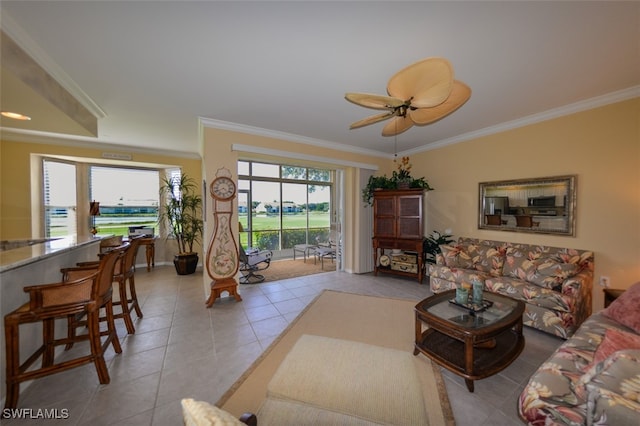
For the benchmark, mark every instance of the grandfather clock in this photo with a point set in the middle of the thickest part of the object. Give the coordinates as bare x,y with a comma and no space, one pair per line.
222,255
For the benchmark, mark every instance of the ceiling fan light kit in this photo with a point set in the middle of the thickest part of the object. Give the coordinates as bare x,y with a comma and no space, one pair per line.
419,94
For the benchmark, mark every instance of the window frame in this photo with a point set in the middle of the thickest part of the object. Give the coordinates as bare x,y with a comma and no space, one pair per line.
82,187
308,180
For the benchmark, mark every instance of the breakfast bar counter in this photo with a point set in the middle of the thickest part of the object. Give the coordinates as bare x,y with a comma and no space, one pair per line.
38,263
33,251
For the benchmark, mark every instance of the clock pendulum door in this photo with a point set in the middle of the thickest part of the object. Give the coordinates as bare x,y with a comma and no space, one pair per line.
222,255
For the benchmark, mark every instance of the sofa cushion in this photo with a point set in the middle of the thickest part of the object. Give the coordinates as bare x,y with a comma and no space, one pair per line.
613,396
535,267
456,275
614,340
625,308
352,378
479,257
456,256
530,293
549,274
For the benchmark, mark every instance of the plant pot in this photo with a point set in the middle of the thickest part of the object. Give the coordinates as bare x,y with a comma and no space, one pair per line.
185,264
404,185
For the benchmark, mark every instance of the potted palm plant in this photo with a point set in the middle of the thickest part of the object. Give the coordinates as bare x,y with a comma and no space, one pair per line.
183,214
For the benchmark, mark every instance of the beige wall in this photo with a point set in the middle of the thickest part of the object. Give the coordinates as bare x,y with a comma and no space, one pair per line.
601,146
16,172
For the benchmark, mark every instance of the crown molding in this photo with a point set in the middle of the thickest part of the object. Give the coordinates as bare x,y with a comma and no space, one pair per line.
259,131
46,138
598,101
31,48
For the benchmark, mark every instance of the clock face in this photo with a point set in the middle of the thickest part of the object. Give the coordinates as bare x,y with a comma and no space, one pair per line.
223,188
384,260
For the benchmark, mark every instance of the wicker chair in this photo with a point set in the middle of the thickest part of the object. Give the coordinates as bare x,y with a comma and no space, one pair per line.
125,272
84,295
109,243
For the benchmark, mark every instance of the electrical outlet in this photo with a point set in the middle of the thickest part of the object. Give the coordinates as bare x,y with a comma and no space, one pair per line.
604,281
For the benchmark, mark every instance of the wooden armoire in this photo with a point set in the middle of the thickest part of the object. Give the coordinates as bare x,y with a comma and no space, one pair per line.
398,226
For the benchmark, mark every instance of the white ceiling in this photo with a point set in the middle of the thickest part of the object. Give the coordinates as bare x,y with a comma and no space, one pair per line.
282,68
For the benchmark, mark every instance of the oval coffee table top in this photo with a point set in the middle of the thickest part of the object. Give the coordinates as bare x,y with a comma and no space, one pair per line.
440,307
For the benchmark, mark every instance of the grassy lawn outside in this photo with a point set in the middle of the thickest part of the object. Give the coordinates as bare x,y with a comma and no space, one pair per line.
265,233
266,229
290,221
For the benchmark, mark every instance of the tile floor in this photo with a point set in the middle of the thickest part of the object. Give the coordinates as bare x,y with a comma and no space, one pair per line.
181,349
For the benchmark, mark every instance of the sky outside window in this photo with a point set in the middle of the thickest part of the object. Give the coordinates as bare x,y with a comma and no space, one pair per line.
117,186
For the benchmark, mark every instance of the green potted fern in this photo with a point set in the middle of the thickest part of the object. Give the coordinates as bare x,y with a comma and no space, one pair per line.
400,179
182,212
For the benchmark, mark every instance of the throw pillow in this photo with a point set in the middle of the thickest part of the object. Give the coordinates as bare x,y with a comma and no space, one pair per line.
456,257
625,308
199,413
486,258
517,263
614,340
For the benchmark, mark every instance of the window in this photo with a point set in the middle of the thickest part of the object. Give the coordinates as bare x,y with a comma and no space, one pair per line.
280,206
128,198
59,199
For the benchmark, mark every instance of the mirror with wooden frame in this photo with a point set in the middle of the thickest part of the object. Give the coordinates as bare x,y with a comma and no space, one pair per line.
540,205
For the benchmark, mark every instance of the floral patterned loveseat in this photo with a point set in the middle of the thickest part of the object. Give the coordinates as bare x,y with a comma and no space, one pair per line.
594,377
555,283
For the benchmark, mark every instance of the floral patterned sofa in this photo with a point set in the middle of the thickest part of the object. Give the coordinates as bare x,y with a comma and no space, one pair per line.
555,283
594,377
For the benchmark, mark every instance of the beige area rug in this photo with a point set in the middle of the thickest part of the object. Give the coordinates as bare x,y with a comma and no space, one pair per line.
283,269
374,320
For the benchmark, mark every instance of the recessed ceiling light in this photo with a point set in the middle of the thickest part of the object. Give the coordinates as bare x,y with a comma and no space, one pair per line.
15,115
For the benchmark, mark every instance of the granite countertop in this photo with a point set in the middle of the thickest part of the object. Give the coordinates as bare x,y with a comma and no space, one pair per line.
20,256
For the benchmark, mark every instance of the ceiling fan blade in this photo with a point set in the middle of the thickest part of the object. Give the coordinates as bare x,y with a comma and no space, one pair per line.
396,126
459,95
373,101
371,120
426,83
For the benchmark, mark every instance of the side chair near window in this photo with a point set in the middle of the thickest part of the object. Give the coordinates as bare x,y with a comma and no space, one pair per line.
251,263
325,250
85,294
125,272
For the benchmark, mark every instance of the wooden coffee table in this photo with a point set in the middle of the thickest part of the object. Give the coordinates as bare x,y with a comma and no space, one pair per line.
473,345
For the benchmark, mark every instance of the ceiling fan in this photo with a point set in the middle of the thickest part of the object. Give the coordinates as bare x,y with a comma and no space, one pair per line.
419,94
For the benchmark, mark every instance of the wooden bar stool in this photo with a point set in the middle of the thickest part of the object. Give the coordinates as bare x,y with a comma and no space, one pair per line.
123,274
84,295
